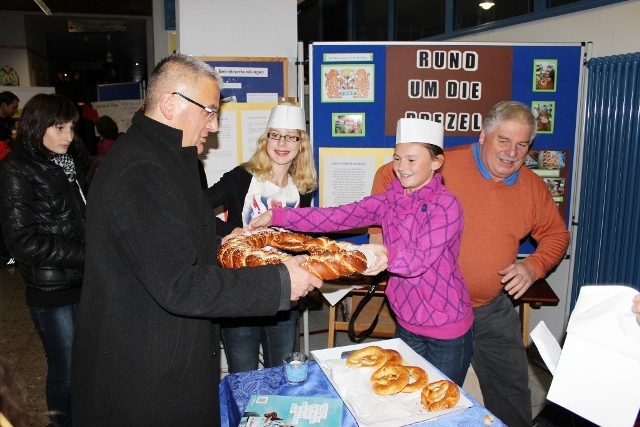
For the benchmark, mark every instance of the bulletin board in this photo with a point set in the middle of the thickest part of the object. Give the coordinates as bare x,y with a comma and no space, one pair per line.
251,75
119,91
359,90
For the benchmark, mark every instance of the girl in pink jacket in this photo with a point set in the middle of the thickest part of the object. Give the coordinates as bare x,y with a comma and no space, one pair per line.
422,227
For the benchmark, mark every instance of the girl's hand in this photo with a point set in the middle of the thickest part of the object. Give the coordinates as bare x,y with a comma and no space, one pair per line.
636,307
236,231
382,259
262,221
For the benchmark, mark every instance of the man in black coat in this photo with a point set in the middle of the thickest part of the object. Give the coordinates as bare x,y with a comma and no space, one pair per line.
146,350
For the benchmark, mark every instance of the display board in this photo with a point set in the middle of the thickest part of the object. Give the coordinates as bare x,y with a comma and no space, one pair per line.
120,91
259,75
359,90
121,111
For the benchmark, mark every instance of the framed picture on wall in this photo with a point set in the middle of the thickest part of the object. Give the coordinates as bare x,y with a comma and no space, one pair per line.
348,124
348,83
544,112
545,75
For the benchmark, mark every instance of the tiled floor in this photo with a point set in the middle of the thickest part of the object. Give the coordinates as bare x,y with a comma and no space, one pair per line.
20,346
21,349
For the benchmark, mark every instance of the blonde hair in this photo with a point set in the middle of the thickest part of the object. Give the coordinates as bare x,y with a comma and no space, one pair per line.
302,169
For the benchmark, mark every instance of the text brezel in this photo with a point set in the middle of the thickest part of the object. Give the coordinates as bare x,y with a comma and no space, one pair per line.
451,121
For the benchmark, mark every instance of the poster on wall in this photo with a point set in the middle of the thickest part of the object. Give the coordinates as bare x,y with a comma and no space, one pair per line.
239,127
251,76
455,84
348,83
452,85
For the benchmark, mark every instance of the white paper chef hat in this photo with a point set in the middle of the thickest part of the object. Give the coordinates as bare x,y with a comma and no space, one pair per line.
420,130
287,116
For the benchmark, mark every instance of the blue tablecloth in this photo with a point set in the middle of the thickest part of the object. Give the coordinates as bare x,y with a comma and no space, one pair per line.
236,389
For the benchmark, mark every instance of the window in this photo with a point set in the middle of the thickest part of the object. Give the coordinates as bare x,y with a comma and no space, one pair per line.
335,20
371,20
555,3
418,19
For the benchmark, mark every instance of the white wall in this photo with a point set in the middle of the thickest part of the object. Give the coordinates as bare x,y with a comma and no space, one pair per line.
239,28
13,45
612,29
160,35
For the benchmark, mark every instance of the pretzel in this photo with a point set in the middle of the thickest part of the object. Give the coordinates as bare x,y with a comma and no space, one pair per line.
370,357
390,379
393,357
440,395
327,258
550,160
421,379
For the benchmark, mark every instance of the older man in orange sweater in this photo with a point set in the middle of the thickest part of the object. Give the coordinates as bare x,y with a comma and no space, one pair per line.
503,203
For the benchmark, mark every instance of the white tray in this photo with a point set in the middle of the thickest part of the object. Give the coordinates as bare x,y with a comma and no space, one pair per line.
370,409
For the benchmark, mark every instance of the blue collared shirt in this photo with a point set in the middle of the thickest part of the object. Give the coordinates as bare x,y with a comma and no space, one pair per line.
510,180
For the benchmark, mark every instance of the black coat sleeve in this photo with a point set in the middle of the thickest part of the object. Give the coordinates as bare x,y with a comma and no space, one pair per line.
157,241
230,191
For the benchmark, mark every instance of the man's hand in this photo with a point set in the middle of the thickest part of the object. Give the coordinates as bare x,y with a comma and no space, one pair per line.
382,259
518,278
636,307
236,231
262,221
302,282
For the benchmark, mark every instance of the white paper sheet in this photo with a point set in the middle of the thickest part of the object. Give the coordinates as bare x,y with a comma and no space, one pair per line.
335,293
599,367
548,347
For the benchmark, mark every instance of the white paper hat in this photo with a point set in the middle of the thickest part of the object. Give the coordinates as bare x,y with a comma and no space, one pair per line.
420,130
287,116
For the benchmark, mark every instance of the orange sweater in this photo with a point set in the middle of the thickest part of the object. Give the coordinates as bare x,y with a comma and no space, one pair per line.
497,218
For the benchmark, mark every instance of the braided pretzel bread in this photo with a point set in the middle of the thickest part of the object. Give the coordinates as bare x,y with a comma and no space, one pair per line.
390,379
440,395
328,259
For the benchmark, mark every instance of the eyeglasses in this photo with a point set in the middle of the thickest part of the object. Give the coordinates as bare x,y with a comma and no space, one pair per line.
211,114
288,138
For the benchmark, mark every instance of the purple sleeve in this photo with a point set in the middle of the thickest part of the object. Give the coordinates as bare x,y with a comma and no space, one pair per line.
367,211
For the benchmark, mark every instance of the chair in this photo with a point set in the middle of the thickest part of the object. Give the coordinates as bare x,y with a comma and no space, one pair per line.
386,321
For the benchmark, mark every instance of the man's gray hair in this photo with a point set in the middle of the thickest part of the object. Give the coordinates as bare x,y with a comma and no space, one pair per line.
177,69
510,111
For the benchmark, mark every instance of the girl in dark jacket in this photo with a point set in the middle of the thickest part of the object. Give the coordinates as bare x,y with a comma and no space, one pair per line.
42,211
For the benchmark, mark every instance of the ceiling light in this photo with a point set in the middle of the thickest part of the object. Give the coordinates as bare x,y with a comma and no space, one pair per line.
486,5
44,7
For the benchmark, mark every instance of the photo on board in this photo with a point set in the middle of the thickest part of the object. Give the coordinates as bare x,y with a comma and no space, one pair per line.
545,75
544,112
348,124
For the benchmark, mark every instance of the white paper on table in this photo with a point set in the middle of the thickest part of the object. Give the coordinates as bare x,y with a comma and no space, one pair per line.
370,409
547,345
602,350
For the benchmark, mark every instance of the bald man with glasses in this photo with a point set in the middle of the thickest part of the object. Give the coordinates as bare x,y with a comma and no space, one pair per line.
147,343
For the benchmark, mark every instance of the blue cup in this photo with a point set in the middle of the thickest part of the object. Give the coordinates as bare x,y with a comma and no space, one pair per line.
295,368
